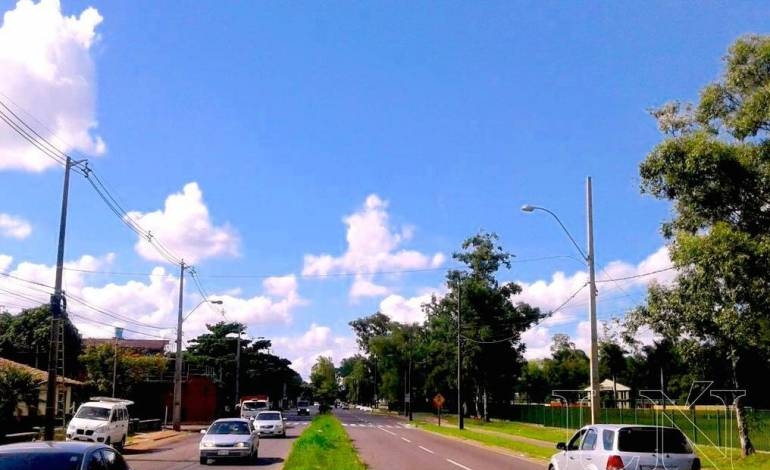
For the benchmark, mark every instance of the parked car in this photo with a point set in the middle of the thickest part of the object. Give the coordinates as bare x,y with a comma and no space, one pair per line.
229,438
103,419
619,447
60,456
303,408
270,423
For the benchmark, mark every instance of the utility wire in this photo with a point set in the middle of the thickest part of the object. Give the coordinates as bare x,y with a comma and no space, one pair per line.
91,320
636,276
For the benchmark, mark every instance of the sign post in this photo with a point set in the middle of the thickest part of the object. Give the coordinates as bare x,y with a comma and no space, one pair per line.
438,402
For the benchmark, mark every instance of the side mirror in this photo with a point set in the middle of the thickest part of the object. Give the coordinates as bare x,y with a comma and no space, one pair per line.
561,446
203,431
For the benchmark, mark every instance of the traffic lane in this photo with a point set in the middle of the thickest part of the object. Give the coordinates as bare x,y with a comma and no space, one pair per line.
390,444
184,455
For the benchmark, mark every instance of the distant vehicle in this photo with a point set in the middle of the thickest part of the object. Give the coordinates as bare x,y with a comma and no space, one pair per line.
345,405
60,455
229,438
315,403
270,423
303,407
103,419
250,406
617,446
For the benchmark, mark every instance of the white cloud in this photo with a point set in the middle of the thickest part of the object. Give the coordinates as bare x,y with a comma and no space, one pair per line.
14,227
96,310
184,227
47,70
614,297
408,310
317,341
373,245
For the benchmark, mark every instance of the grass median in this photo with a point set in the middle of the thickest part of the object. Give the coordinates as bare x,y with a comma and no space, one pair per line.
323,445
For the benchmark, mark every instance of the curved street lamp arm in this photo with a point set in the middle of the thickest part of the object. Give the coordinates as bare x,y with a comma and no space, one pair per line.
528,208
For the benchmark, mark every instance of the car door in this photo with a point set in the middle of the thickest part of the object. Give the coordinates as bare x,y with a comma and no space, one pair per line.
589,455
567,458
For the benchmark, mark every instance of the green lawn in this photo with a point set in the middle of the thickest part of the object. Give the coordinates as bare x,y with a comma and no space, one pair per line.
494,434
323,445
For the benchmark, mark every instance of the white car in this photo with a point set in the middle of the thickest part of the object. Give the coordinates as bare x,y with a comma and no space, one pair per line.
103,419
229,438
625,447
270,423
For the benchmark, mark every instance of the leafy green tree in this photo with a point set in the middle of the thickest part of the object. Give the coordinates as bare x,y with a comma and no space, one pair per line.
491,324
713,165
16,385
26,338
569,367
260,372
132,369
323,377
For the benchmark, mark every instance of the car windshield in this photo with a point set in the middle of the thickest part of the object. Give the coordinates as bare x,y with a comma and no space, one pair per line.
33,461
229,427
302,404
93,412
272,416
651,440
254,405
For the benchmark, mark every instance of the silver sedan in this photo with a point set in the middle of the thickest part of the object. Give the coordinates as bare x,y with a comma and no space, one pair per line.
229,438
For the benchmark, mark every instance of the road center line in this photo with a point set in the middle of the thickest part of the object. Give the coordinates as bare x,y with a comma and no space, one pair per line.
427,450
458,464
389,432
405,439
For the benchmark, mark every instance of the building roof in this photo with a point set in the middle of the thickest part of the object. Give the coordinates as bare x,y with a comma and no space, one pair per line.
154,345
39,375
608,385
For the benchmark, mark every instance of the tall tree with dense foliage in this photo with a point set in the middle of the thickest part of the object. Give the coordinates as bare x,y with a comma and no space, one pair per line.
491,323
714,166
323,377
131,369
26,338
16,385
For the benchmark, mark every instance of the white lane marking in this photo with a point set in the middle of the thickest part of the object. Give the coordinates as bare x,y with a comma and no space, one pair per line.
427,450
458,464
389,432
405,439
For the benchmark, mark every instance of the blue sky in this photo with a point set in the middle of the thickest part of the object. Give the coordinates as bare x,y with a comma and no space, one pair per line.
290,150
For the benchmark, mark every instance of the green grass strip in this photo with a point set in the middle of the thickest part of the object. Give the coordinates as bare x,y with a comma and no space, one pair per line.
323,445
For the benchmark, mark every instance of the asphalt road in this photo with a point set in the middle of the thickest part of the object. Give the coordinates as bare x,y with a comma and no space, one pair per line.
383,442
387,442
183,455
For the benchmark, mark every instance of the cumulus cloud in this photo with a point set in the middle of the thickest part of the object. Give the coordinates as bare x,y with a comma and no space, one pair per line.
276,306
141,306
373,245
409,310
317,341
185,228
14,227
46,70
620,285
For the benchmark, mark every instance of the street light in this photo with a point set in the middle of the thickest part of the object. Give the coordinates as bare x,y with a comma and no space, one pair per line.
237,363
177,415
589,259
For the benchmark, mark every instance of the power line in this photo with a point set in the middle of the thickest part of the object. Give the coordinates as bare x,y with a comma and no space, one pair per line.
91,320
636,276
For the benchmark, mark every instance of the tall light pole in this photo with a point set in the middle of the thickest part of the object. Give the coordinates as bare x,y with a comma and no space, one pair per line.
177,415
589,259
237,362
460,417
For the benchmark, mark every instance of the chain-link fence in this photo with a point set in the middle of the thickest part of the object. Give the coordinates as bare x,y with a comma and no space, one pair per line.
711,427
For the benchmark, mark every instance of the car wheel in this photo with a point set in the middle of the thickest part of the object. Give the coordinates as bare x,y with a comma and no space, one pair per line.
122,444
255,457
108,441
204,460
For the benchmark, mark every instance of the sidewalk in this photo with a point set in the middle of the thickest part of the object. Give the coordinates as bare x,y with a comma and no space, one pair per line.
146,441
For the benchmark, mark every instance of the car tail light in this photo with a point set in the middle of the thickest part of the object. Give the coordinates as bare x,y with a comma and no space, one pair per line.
695,464
614,462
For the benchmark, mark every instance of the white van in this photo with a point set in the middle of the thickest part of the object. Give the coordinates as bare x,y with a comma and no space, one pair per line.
102,419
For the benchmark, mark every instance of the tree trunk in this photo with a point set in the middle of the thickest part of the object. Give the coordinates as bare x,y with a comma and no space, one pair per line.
747,448
476,399
486,412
